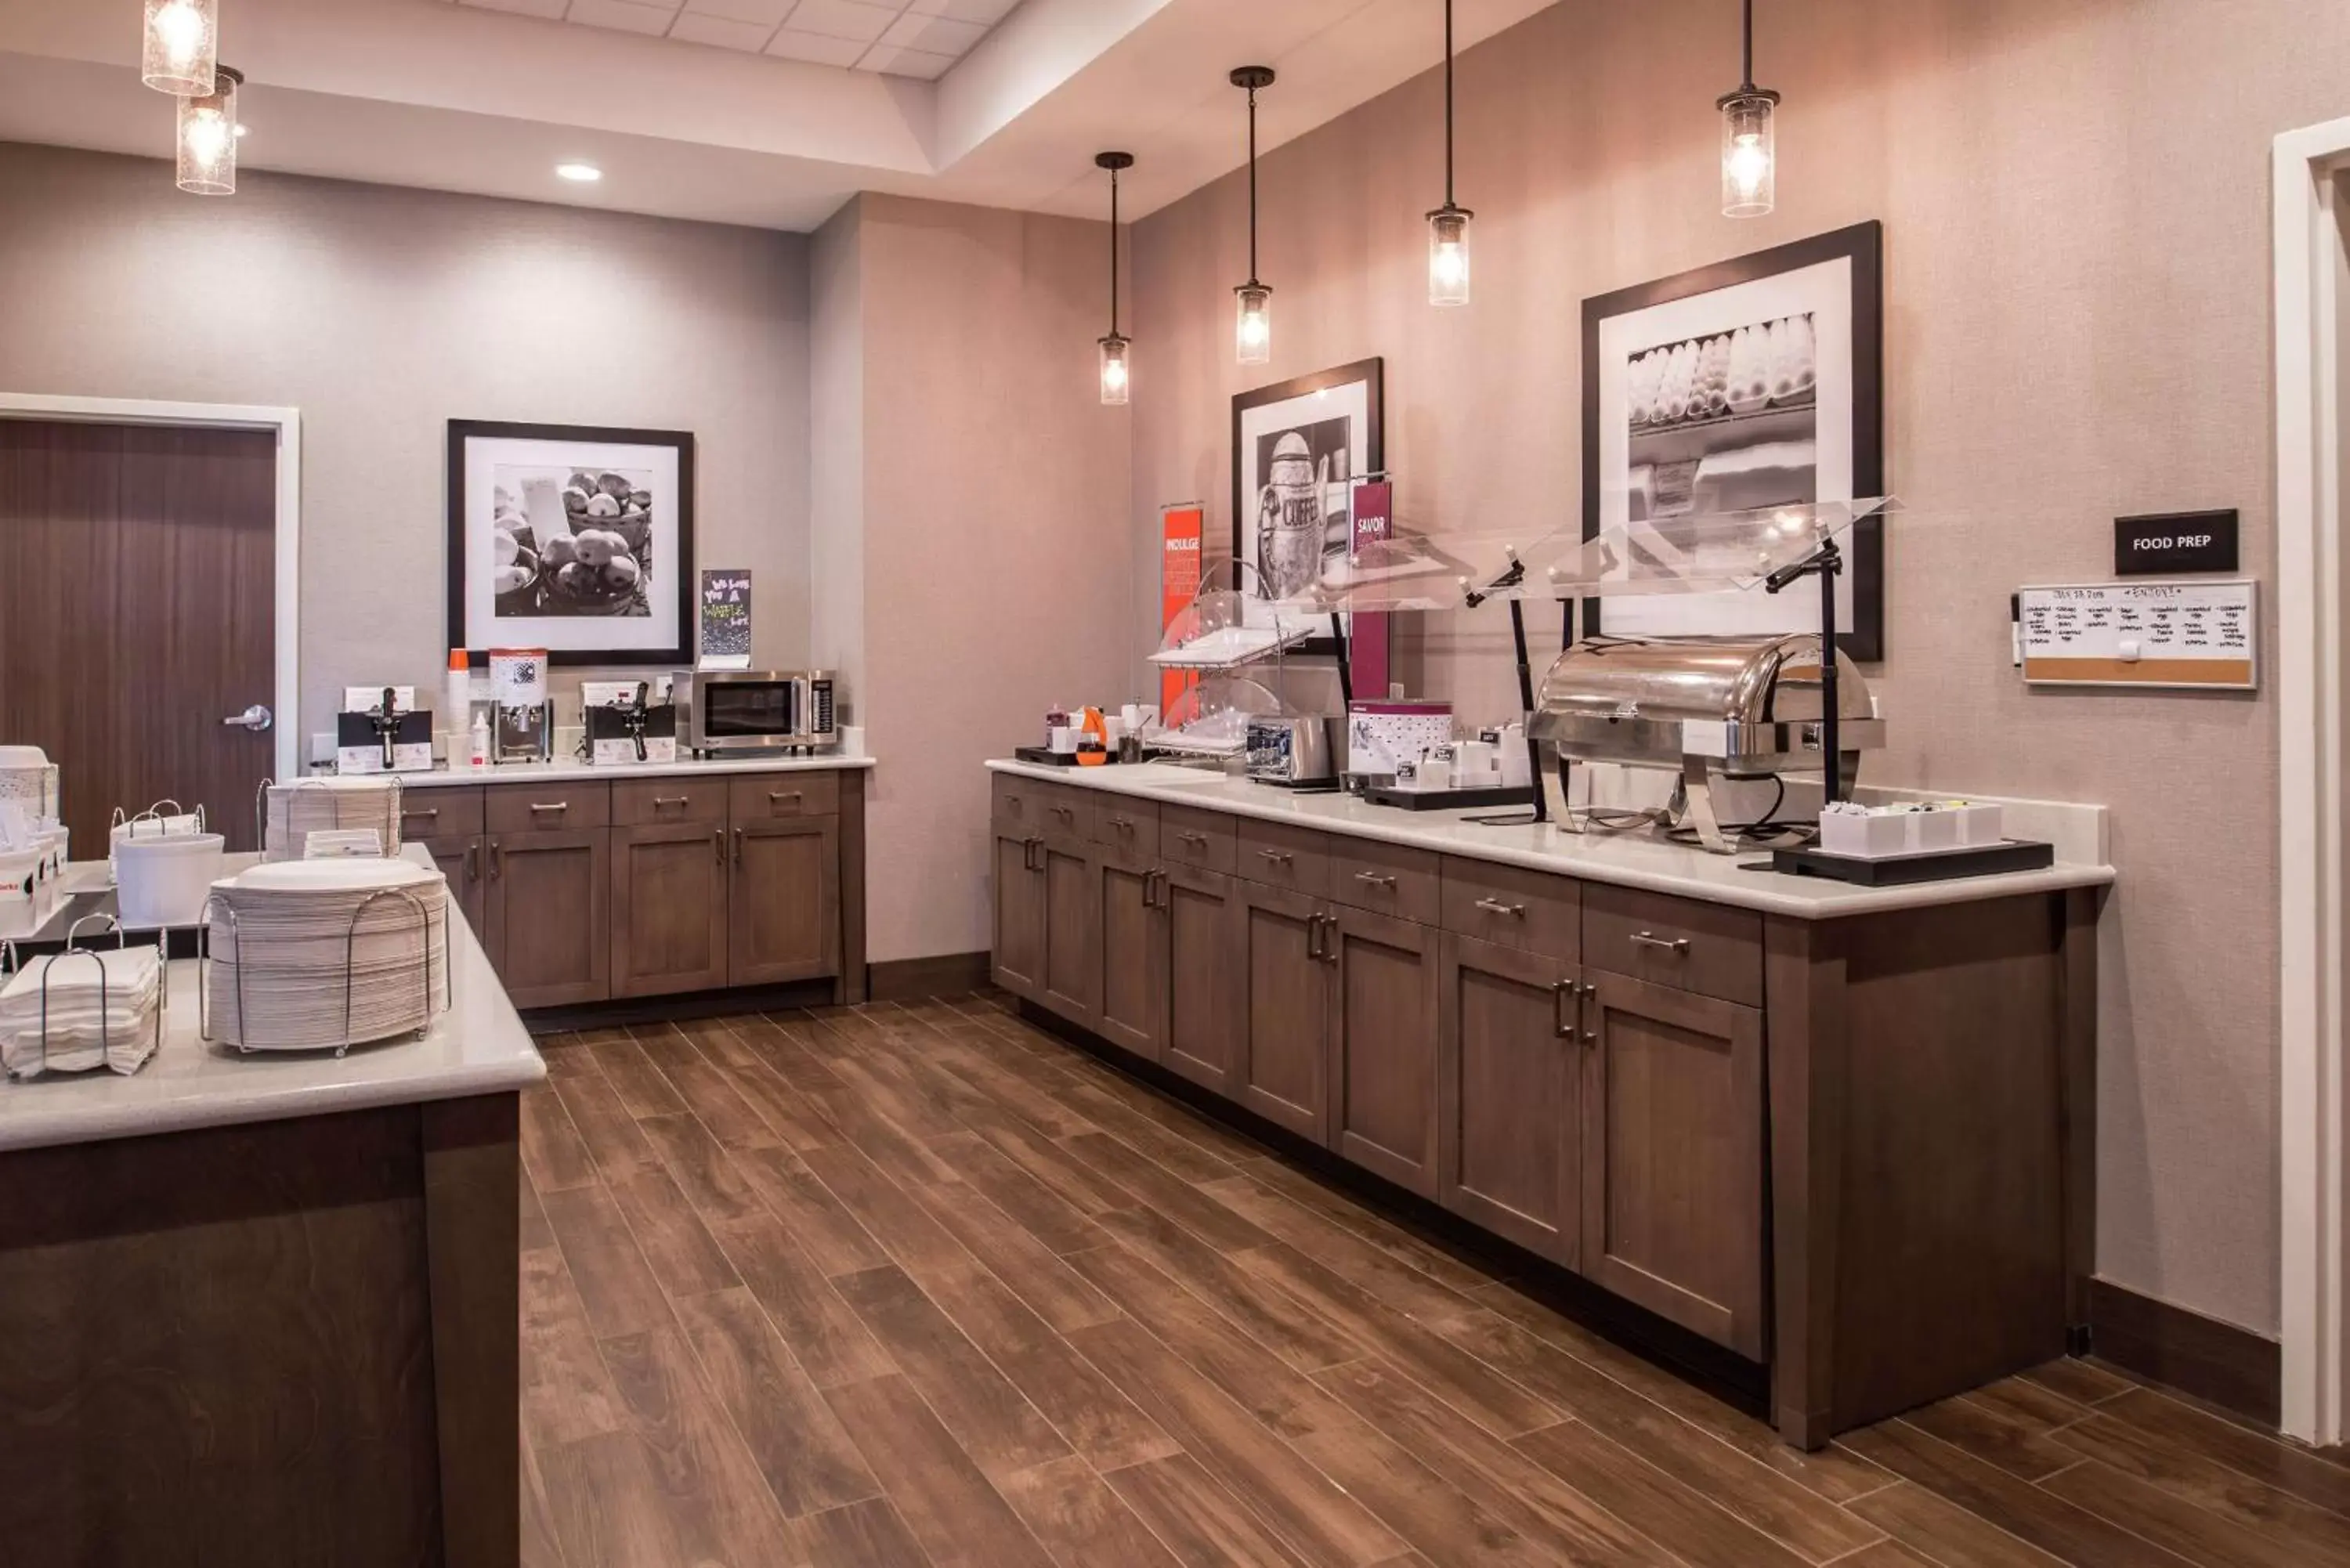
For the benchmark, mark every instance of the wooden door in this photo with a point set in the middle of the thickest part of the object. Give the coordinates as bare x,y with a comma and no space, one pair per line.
784,897
1285,1074
669,909
1132,988
1018,964
1204,1025
138,610
460,857
1072,936
1673,1155
549,901
1383,1059
1510,1095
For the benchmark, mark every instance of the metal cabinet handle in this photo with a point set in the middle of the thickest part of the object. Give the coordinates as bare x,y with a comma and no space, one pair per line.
1676,946
558,805
777,797
1314,938
1166,893
1376,879
659,800
1123,823
1495,907
497,860
1196,840
1028,847
408,811
1276,857
738,846
1329,938
1065,813
473,862
1591,1037
1562,1019
1154,886
718,843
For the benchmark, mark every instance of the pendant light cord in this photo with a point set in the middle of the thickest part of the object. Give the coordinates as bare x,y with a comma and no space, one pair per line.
1747,81
1252,92
1448,101
1113,252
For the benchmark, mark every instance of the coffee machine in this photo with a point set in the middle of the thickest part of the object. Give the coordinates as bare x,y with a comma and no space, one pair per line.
521,722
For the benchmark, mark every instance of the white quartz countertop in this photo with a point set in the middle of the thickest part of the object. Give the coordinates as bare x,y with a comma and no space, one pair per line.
528,772
1626,859
478,1046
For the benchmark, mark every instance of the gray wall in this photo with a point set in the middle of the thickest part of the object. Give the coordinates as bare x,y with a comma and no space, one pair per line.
381,314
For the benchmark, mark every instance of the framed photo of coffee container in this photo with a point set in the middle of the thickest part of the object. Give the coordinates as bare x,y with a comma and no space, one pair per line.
1298,449
577,539
1752,383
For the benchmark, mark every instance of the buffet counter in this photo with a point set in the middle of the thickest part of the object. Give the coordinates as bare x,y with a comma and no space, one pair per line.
455,773
1844,1134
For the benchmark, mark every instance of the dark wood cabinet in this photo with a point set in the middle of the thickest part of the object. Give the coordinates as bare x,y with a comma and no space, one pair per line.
670,908
1283,975
1132,986
546,915
1382,1051
1018,960
1071,975
1204,1023
1672,1155
781,913
1510,1092
461,858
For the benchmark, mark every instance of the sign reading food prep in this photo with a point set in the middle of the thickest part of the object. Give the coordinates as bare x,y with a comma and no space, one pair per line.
2175,542
725,620
2199,635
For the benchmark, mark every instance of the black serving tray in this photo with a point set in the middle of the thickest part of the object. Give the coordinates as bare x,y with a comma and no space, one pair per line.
1044,756
1905,870
1449,799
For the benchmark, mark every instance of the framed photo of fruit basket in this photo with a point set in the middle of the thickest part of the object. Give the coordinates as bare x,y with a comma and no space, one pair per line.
1748,384
572,538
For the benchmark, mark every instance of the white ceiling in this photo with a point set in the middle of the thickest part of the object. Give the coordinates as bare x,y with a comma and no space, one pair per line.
918,38
473,97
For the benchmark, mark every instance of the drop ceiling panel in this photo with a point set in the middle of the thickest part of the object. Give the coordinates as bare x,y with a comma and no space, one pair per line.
896,37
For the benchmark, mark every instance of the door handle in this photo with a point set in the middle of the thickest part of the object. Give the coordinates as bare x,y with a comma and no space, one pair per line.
256,717
1029,848
497,860
1196,840
663,802
718,842
1376,879
1160,898
408,811
473,862
1274,856
1562,1020
738,846
558,806
1495,907
777,797
1330,939
1677,946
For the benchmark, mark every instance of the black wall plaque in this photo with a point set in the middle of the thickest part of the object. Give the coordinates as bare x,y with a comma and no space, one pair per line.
2175,542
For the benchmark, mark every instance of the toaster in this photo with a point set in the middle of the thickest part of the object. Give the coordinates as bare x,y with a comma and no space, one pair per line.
1297,752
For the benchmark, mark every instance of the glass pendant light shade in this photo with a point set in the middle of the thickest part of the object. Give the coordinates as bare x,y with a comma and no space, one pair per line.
208,138
182,46
1447,255
1252,336
1750,154
1115,370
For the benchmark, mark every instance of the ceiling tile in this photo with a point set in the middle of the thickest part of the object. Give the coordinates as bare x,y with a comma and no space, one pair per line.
843,19
768,13
551,9
816,48
892,59
986,13
627,15
696,27
936,35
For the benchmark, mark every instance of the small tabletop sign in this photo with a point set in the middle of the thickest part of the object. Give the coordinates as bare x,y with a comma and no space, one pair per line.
725,620
2175,542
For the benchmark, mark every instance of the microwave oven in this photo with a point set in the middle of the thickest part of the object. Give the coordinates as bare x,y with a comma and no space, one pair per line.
735,711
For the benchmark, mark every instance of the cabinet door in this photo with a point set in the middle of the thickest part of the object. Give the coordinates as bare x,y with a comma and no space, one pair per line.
1673,1155
1019,958
1286,1008
1383,1098
783,902
1510,1095
1133,985
460,857
547,907
1072,936
1204,1025
669,909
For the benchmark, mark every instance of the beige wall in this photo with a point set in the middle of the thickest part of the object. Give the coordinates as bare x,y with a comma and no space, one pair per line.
2075,201
996,562
382,314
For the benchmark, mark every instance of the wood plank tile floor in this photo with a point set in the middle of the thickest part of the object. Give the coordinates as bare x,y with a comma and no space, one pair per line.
921,1287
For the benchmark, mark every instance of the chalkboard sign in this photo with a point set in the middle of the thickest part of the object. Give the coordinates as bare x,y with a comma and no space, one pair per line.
2201,635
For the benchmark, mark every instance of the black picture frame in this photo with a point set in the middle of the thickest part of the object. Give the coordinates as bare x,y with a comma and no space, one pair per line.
1372,375
1862,245
682,570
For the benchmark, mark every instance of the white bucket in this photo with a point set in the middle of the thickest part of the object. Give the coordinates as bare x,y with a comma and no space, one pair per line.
164,881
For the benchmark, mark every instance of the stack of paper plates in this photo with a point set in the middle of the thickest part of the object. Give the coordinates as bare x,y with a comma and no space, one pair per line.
310,955
76,1010
292,812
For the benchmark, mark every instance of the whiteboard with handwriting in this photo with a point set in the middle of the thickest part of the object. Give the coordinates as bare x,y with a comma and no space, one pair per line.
2191,634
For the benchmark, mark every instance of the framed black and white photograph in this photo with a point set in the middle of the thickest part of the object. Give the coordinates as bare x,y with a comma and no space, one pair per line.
1299,447
573,538
1752,383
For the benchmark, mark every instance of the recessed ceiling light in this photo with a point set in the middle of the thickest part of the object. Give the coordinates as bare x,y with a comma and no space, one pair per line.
585,173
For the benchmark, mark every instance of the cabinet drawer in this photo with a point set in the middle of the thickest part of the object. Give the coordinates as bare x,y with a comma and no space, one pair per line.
764,797
1127,826
453,812
1201,839
1387,879
656,802
1018,805
1533,911
554,806
1280,855
1710,948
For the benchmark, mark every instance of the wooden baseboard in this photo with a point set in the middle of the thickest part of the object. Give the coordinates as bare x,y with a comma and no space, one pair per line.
907,979
682,1008
2232,1367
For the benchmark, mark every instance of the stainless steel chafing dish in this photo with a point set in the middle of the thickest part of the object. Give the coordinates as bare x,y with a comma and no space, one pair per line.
1703,707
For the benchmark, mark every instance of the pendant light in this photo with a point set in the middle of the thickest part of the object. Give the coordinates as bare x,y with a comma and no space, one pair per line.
1749,157
180,46
1448,226
1253,334
208,136
1115,369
